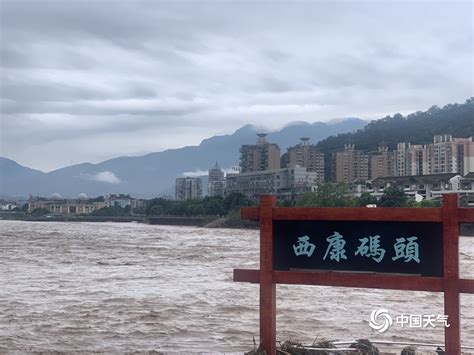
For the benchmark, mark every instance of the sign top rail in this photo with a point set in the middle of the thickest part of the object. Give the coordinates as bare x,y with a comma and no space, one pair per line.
427,214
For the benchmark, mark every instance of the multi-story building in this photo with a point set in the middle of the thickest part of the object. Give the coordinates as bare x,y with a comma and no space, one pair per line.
216,182
188,188
307,156
58,206
285,183
137,203
444,155
124,200
351,165
428,186
382,163
400,158
8,206
259,157
118,200
411,160
417,160
466,155
451,155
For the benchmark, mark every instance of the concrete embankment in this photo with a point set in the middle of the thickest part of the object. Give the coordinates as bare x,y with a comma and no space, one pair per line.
201,221
73,218
196,221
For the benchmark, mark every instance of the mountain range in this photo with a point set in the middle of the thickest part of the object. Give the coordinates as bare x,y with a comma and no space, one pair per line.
153,174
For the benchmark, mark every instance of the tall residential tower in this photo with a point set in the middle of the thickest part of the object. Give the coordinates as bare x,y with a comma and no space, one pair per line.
216,183
259,157
308,156
188,188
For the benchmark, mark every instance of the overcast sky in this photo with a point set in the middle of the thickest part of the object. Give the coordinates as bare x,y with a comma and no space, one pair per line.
91,80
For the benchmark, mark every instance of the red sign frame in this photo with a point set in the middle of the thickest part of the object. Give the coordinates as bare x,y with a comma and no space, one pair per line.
450,215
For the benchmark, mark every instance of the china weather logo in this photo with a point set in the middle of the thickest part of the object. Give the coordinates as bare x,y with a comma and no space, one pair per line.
380,320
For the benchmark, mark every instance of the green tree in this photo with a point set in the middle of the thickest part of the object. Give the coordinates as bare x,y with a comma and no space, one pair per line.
285,203
39,212
463,201
214,206
158,206
208,206
393,197
328,195
366,199
430,203
235,200
112,211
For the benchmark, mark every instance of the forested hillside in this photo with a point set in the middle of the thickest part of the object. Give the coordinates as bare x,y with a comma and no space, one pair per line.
416,128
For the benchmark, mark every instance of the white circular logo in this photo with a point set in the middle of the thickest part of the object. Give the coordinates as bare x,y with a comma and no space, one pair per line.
380,320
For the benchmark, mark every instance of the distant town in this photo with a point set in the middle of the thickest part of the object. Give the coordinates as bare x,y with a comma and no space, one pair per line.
422,172
446,165
111,205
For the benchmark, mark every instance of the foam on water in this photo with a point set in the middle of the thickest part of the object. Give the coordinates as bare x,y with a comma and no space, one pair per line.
121,287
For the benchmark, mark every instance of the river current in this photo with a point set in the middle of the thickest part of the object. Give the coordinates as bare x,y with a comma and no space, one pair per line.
113,287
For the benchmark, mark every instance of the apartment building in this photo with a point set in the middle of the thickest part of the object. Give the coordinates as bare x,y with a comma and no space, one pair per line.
382,163
57,206
216,182
351,165
446,155
285,183
411,160
260,156
188,188
443,155
307,156
468,155
451,155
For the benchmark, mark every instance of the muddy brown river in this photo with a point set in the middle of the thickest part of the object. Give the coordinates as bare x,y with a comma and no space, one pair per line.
112,287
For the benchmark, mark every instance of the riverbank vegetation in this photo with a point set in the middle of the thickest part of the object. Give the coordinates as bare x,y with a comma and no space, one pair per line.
226,209
321,347
326,347
326,195
208,206
113,211
338,195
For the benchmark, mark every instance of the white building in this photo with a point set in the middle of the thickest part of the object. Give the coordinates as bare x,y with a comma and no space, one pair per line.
8,207
188,188
284,183
216,182
428,186
120,200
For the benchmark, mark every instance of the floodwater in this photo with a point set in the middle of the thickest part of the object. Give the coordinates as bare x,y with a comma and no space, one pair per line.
111,287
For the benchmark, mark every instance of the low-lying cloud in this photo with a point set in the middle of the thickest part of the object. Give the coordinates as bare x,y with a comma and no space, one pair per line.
103,176
196,173
199,172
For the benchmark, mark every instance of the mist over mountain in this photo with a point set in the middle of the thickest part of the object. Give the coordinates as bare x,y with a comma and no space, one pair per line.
153,174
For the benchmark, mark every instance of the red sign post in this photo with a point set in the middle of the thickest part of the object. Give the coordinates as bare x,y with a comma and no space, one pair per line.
449,216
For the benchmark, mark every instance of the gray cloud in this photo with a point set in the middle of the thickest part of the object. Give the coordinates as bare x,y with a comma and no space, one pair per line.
86,81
